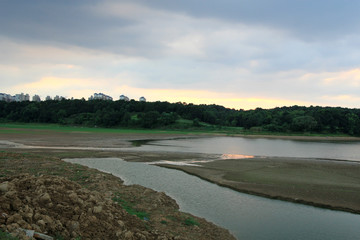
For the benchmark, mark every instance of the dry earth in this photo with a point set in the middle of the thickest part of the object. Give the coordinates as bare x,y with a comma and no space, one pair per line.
69,201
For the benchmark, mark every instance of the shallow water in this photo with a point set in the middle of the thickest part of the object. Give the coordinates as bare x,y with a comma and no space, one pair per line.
246,216
259,147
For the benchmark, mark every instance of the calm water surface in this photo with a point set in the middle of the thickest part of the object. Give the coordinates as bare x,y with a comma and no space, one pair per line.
259,147
246,216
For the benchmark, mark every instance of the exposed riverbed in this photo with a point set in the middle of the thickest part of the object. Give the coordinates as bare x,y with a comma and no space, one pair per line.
247,216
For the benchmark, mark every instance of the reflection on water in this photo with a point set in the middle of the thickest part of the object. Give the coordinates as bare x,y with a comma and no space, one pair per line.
259,147
235,156
194,162
177,163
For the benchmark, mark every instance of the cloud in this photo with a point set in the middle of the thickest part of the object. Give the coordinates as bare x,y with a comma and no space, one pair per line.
230,100
350,78
301,52
57,86
306,19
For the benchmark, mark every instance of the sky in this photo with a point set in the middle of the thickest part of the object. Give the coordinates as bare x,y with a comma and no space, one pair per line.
241,54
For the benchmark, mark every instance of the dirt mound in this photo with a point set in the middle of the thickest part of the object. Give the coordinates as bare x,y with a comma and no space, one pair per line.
85,203
61,208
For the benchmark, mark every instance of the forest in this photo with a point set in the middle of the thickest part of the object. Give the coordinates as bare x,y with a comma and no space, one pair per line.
165,115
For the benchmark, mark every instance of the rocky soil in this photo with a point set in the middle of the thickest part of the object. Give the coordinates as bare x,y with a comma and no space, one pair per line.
84,203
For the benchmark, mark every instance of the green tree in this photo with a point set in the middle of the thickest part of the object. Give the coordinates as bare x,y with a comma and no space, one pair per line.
150,119
303,124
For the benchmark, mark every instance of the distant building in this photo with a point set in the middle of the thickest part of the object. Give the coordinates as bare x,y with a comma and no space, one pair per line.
48,98
100,96
17,98
6,97
58,98
142,99
36,98
124,98
21,97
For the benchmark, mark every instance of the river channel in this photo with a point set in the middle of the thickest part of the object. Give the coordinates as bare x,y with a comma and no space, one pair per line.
340,150
246,216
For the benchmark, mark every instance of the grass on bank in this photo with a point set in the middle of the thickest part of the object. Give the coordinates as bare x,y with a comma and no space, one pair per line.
183,127
128,207
6,236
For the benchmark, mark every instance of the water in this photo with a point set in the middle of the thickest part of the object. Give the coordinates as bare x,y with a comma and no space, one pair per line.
259,147
246,216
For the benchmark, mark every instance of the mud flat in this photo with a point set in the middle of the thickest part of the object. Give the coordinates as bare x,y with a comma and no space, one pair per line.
319,182
323,183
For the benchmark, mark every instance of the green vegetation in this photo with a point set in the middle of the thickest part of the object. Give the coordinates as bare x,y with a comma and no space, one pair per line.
6,236
59,237
190,221
184,219
139,117
128,207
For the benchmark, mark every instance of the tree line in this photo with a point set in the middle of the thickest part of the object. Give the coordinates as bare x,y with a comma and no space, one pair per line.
294,119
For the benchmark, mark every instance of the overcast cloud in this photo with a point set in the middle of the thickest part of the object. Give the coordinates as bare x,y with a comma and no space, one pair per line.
237,53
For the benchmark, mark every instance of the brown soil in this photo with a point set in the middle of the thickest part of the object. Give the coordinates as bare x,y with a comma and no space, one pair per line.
67,201
322,183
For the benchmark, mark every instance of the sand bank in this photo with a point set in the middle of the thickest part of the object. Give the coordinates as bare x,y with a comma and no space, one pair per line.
318,182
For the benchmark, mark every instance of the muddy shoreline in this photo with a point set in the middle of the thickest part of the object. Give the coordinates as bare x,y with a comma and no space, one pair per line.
251,191
27,167
341,193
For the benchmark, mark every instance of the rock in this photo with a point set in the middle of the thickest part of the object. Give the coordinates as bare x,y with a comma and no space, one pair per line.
16,204
45,198
73,226
140,236
74,197
58,207
118,234
121,224
14,218
28,216
128,235
27,199
37,216
97,209
5,205
74,234
36,227
41,223
93,219
24,224
162,238
10,194
48,220
4,187
12,227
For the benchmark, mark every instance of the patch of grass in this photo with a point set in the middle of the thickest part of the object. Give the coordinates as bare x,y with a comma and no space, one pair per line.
79,175
129,207
58,236
6,236
172,218
190,221
26,128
